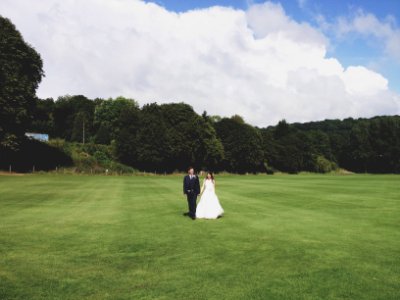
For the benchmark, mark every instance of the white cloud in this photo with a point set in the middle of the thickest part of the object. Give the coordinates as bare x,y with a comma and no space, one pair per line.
368,25
258,63
270,18
355,79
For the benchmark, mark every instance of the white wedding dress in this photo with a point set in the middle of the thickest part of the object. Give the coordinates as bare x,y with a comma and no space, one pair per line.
209,206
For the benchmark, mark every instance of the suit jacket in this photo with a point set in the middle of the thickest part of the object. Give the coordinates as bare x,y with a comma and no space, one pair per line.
191,185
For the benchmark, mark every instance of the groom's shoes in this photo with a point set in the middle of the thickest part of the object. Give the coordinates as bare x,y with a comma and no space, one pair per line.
187,214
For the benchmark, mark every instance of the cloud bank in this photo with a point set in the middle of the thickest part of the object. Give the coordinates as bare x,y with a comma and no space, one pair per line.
258,63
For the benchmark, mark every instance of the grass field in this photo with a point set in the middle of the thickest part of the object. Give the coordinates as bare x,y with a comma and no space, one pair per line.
282,237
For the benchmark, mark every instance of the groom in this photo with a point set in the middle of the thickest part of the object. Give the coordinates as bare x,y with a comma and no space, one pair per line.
191,188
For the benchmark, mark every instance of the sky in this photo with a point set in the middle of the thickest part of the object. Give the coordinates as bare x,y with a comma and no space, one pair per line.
299,60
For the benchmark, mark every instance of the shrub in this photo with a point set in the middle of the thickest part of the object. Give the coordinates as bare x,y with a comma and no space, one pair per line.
323,165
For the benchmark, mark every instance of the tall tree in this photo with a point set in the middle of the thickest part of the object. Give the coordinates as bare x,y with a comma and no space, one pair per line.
359,147
21,70
80,127
69,114
42,120
384,134
242,145
154,144
107,115
126,142
193,139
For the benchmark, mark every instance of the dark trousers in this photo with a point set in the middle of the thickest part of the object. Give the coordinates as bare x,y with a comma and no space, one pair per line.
191,198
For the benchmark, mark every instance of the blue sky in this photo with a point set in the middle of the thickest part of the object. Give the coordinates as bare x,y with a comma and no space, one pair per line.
353,49
300,10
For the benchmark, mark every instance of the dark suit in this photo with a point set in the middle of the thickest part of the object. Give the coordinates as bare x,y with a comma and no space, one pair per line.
191,188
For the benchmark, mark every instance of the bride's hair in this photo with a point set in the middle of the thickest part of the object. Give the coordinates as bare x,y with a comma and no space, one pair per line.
212,175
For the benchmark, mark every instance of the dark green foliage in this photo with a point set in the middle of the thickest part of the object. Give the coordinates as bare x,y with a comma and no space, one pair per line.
42,120
169,137
69,114
78,129
288,149
126,141
172,137
33,155
320,143
20,73
362,145
192,139
153,142
108,112
242,145
103,135
359,148
210,148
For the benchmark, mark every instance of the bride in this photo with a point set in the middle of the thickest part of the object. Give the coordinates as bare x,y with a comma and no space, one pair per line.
208,207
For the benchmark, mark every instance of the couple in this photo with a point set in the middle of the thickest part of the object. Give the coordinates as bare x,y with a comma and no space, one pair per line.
208,207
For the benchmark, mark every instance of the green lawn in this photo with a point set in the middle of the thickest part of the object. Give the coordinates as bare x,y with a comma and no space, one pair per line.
282,237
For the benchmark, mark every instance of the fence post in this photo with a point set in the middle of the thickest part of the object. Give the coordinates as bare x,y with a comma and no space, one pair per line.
33,169
10,169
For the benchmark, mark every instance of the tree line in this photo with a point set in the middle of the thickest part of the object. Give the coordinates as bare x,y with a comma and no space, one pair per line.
170,137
